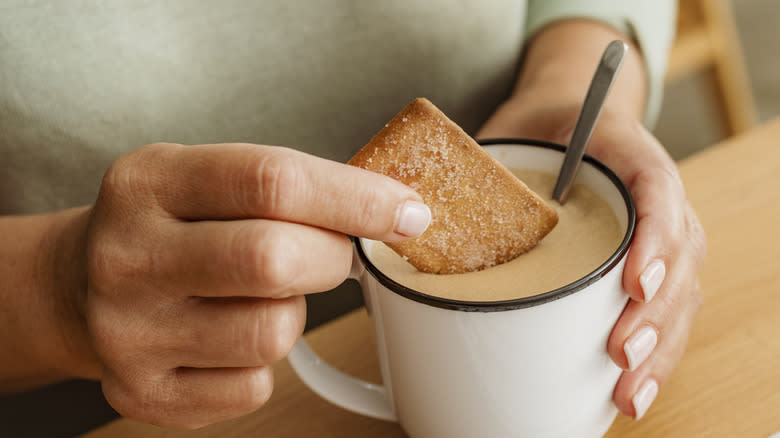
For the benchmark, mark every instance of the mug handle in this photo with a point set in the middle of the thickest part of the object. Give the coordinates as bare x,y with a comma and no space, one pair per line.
339,388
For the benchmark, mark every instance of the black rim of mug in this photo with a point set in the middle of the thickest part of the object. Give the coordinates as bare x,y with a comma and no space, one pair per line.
535,300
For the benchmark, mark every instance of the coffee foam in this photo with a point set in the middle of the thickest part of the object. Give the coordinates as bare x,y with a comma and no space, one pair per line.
587,234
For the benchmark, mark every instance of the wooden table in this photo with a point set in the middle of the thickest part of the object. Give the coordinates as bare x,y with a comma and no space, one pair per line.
728,383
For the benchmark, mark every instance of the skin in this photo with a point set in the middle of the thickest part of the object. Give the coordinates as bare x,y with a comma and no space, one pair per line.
557,70
183,283
187,275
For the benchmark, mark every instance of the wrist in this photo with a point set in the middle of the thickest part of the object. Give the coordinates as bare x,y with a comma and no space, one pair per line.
43,338
559,64
67,288
540,117
560,61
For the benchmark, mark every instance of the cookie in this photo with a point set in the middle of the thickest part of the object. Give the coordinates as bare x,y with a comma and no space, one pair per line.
482,214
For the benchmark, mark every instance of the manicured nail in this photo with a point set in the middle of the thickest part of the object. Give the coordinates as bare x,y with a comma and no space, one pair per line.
639,346
644,398
412,219
651,279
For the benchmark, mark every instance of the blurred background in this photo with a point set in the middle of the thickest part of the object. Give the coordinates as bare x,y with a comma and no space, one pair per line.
722,72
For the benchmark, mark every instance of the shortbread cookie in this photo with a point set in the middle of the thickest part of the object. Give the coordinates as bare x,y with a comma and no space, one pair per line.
482,214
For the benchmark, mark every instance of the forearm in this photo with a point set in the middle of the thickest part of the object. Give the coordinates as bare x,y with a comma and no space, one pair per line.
557,68
41,328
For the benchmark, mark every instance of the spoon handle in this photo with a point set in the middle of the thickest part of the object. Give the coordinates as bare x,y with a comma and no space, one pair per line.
602,81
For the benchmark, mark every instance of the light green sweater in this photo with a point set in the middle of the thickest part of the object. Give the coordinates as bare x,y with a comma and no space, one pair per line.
82,82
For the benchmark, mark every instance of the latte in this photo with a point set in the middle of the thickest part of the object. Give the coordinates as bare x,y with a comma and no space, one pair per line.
587,234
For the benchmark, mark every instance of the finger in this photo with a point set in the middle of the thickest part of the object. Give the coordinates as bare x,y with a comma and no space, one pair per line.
659,232
232,181
636,390
258,258
233,332
189,398
675,307
650,338
659,196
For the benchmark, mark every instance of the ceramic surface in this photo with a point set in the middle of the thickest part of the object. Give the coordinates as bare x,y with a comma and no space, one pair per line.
535,367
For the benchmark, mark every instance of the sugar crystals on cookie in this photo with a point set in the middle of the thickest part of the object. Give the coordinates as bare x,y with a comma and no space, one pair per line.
482,214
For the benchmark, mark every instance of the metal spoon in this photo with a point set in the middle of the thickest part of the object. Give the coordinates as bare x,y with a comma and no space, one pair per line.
602,81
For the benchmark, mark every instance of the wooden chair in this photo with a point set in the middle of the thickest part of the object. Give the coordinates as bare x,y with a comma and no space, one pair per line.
707,42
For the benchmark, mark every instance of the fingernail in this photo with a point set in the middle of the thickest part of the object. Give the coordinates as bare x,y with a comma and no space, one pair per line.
644,398
639,346
651,279
412,219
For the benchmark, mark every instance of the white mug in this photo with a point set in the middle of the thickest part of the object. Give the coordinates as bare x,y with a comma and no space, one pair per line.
529,367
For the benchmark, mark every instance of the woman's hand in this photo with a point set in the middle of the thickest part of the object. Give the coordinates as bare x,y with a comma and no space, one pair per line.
197,259
668,249
663,263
